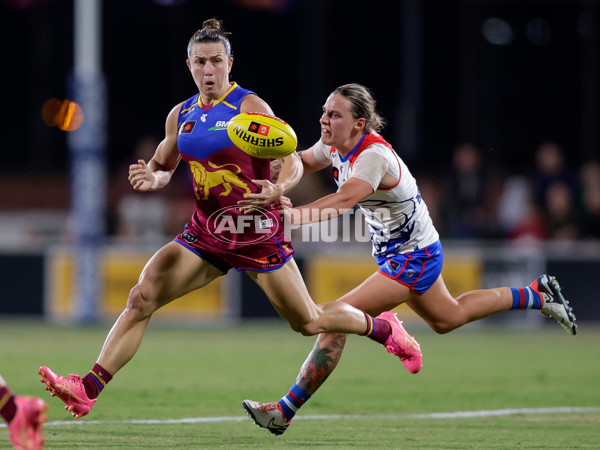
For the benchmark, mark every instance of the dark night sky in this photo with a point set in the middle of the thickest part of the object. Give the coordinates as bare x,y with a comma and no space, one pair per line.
507,99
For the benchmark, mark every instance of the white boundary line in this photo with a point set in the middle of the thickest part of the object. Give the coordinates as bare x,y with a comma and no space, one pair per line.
435,415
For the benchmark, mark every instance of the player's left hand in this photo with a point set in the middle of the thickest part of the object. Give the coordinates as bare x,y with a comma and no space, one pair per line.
282,203
268,194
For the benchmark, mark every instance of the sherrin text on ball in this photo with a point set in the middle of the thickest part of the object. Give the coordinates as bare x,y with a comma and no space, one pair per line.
262,135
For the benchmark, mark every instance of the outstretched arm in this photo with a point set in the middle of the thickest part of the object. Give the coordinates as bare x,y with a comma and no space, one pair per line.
352,191
349,194
293,168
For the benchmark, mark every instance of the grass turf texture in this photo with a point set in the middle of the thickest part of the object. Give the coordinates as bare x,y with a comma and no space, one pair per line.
202,373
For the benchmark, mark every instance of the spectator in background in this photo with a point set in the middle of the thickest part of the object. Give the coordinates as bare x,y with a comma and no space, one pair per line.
561,215
466,218
589,176
494,187
590,222
550,168
433,193
139,217
518,215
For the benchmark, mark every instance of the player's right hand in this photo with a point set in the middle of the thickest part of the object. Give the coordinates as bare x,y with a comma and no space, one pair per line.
140,176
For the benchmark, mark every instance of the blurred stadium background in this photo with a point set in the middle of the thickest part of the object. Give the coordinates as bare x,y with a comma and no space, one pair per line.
494,105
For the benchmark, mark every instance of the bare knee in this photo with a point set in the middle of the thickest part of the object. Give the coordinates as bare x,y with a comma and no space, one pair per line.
306,328
443,323
139,306
443,327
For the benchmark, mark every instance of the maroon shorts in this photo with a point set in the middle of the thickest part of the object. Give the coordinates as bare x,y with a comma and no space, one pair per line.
264,256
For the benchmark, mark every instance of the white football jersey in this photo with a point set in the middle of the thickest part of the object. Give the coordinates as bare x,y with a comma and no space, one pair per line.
397,217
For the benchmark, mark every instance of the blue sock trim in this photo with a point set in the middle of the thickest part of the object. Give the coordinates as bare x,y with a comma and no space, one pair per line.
97,381
537,300
293,401
288,412
300,394
516,297
531,299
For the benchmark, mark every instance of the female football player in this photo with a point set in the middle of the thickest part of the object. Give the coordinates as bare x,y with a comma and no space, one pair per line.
406,246
195,132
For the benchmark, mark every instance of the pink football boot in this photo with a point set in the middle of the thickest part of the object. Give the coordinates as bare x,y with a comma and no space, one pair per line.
25,429
69,389
402,344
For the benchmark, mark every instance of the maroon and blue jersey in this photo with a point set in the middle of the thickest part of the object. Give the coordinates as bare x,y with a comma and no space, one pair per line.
222,174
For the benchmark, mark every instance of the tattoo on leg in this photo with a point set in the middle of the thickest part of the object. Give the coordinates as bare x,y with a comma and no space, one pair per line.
321,362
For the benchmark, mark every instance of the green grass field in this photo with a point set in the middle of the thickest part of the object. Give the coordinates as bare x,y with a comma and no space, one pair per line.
371,401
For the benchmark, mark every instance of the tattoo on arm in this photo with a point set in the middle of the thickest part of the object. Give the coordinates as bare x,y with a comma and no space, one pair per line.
275,170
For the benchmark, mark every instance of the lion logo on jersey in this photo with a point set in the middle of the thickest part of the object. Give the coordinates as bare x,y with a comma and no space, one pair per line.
209,179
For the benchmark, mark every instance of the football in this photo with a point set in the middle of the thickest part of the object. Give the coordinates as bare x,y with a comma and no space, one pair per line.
262,135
